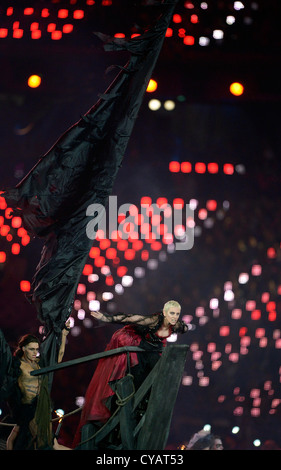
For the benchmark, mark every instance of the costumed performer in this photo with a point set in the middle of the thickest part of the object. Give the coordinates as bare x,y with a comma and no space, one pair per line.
149,332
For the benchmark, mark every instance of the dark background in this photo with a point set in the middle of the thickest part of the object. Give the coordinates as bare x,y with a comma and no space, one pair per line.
208,124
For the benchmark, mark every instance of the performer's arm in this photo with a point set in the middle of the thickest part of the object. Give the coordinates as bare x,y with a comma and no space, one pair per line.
149,320
64,334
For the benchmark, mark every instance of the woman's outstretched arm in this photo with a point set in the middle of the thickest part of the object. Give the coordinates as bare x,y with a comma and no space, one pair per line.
149,320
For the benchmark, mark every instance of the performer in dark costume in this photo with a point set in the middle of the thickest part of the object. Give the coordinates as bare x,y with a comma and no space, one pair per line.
80,170
149,333
27,395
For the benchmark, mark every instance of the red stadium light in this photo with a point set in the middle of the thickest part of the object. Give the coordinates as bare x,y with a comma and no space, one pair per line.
270,306
211,205
137,245
186,167
63,13
145,255
15,248
45,13
3,32
94,252
194,19
122,245
271,253
228,169
56,35
18,33
272,316
4,230
81,289
16,222
169,33
88,269
51,27
36,34
10,11
122,271
146,200
28,11
67,28
256,315
34,26
100,261
213,168
25,240
181,33
111,253
104,244
189,5
109,281
129,254
177,18
178,202
200,167
78,14
25,286
2,256
189,40
174,167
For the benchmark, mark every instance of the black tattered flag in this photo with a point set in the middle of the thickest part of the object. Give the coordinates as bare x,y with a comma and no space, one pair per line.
79,170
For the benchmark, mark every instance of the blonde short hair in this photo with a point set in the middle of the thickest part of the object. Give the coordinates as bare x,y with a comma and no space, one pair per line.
171,303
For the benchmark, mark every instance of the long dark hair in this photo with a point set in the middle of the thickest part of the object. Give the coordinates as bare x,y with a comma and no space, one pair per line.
24,340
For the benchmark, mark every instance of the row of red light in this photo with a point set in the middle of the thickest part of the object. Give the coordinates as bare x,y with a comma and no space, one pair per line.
111,251
35,31
200,167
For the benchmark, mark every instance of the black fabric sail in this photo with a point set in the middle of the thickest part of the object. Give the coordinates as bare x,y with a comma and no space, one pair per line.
79,170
